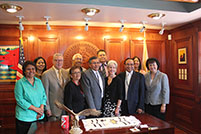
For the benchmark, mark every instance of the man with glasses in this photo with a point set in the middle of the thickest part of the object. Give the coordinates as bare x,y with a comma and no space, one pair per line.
134,87
93,84
54,81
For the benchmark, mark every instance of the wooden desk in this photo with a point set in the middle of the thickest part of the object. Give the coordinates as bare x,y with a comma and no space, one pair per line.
163,127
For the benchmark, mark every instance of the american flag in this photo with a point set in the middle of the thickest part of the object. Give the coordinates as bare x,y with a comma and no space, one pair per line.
19,73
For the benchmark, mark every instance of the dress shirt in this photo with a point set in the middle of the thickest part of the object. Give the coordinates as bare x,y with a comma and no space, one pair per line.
59,75
99,81
127,82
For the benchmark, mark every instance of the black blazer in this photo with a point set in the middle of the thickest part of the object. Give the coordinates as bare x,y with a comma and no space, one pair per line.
74,97
136,89
114,90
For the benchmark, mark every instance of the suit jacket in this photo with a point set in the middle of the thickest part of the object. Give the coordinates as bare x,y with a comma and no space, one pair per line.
92,89
54,90
136,88
157,92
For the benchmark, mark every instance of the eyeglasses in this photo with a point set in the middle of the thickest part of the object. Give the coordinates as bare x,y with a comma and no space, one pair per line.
76,73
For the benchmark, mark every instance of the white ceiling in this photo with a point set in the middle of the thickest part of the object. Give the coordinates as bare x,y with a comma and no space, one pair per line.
109,16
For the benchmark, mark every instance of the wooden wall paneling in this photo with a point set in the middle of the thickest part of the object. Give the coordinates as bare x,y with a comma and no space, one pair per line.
199,65
115,51
183,115
136,48
47,47
186,105
9,40
7,106
156,48
184,84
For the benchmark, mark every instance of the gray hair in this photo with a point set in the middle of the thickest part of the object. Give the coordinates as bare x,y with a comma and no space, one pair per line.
112,62
75,55
57,54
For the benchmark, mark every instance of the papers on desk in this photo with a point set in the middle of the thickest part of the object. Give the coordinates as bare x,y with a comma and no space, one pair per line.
110,122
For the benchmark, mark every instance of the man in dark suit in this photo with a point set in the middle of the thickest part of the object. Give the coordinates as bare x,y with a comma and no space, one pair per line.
134,87
93,84
54,81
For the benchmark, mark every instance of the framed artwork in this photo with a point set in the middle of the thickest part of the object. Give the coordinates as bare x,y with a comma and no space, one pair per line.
9,57
182,56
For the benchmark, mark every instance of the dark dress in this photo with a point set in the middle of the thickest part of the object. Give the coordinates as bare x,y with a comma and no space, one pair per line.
113,93
74,97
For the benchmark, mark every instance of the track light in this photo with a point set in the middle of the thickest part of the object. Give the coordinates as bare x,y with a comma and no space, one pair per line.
122,25
47,24
86,27
121,28
143,26
21,28
162,29
86,24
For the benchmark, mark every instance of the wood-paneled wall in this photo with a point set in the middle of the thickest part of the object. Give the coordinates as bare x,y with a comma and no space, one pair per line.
185,99
63,39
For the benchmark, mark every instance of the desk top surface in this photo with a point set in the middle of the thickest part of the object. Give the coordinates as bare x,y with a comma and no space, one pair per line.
163,127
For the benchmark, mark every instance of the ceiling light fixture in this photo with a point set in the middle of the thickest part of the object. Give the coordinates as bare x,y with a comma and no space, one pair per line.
162,29
47,24
10,8
21,28
143,26
86,24
122,25
90,11
156,16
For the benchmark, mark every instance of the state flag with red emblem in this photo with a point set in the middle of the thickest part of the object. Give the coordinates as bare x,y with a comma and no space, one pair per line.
145,53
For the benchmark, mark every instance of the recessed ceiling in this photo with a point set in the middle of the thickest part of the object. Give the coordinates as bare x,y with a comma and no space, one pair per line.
69,13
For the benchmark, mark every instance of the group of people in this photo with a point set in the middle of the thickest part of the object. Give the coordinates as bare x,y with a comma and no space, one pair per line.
98,88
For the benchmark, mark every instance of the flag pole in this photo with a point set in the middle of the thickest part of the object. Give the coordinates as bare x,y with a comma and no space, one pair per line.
145,52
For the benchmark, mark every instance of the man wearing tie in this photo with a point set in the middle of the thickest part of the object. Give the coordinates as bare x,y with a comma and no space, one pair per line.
93,84
134,87
54,81
102,56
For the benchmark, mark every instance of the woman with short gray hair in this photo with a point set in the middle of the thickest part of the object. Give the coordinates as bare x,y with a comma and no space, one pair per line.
113,91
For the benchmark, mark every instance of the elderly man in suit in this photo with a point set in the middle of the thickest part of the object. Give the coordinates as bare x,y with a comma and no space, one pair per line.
54,81
93,84
77,61
134,87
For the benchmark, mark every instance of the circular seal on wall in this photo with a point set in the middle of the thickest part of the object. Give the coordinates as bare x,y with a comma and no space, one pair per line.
86,49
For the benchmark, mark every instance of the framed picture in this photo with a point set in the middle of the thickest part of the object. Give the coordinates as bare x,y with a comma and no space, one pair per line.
9,57
182,56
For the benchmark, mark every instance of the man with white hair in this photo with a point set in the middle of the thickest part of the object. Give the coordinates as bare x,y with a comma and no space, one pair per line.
77,61
54,81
